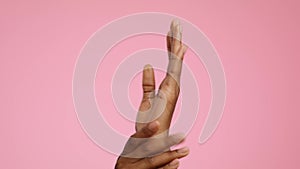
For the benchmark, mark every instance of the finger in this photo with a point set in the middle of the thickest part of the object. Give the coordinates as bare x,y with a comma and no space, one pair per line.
149,130
175,60
136,139
162,159
176,55
172,165
156,145
174,67
176,34
148,82
182,51
175,63
169,42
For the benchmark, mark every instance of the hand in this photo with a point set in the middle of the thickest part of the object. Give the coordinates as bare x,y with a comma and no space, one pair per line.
150,146
161,106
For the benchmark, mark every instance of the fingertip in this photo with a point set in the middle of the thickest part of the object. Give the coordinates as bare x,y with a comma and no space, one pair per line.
153,126
174,23
147,66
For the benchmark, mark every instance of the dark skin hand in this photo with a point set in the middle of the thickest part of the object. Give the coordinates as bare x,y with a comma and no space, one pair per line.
149,147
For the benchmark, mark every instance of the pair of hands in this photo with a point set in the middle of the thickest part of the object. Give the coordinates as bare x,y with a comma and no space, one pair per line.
150,146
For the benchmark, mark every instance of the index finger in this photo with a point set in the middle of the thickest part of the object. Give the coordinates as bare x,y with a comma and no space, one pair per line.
176,51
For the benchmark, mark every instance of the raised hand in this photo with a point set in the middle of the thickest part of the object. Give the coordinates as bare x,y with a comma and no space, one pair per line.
161,105
150,146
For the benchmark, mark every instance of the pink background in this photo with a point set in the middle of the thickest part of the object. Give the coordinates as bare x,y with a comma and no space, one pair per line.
258,43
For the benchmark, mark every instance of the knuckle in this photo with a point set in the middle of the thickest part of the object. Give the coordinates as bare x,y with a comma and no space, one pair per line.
148,88
147,132
174,154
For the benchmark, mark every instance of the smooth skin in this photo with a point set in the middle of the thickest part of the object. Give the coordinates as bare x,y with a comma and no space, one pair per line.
149,147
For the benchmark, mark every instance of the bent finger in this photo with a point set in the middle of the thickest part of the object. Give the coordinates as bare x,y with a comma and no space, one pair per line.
172,165
149,130
162,159
137,139
156,145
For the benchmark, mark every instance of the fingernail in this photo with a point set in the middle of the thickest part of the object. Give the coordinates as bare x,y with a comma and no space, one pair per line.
147,66
174,162
184,150
175,22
